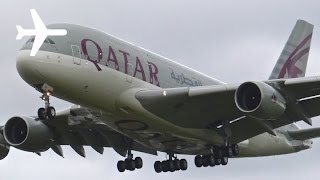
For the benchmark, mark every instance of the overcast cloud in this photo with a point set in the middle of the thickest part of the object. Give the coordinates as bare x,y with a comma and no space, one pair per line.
233,41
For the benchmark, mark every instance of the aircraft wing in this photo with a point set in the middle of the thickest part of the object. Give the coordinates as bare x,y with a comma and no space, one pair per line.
79,127
211,106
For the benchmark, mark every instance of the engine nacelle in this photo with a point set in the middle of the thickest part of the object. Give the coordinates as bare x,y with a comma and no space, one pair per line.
27,134
259,100
4,149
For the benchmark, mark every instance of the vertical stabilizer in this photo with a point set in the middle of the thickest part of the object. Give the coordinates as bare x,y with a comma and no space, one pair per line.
293,60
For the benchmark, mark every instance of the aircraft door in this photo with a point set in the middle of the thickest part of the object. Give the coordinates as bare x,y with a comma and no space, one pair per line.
76,54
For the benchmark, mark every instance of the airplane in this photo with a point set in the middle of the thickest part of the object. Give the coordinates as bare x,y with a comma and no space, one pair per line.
40,32
131,99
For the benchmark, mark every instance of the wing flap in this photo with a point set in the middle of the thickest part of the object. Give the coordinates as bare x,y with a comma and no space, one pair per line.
77,127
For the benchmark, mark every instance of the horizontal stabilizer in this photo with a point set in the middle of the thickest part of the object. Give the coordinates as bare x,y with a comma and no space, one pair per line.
304,134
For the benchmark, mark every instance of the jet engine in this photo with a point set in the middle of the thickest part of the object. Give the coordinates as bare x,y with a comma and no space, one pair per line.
27,134
4,149
260,101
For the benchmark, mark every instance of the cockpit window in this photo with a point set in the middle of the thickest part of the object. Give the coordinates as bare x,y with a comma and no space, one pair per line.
47,41
50,41
31,40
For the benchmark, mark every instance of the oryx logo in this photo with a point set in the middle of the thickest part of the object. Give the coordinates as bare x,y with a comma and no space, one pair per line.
289,69
40,32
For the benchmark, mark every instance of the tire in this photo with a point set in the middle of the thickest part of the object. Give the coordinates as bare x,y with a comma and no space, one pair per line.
211,160
165,166
176,163
130,164
205,162
183,164
218,153
121,166
42,114
224,161
51,112
235,149
229,151
171,165
157,167
138,162
217,161
198,161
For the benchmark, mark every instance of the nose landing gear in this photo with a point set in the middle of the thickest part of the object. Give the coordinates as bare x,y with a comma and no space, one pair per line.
48,112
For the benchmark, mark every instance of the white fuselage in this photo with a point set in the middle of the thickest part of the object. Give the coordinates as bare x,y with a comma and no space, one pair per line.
111,93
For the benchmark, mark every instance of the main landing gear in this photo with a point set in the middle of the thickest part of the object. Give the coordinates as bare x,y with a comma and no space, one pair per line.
129,163
218,156
172,164
48,112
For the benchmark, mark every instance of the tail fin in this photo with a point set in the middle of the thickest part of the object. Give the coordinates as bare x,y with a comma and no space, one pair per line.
293,60
20,32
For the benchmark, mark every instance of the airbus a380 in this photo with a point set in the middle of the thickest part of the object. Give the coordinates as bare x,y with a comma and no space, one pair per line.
131,99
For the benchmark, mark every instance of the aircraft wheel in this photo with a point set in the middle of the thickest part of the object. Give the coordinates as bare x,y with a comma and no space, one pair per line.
235,149
183,164
130,164
224,161
138,162
205,162
51,112
121,166
165,166
158,166
228,151
176,163
211,160
42,114
217,161
171,166
198,161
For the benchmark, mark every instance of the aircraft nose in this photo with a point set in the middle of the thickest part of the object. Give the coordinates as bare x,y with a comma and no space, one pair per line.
27,68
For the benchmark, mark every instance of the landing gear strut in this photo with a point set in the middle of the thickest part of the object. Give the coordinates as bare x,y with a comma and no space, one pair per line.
172,164
48,111
129,163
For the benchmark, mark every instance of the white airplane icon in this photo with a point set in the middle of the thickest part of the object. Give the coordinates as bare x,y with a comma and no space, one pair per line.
40,32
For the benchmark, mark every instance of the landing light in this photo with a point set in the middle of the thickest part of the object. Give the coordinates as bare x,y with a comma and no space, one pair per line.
164,93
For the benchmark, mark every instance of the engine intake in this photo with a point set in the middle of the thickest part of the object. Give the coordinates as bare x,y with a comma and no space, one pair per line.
260,100
27,134
4,149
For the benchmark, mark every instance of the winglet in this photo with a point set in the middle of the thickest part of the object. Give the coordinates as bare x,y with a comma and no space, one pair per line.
20,32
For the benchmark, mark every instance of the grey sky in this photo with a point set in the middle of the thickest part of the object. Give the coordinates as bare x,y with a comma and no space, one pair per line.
233,41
